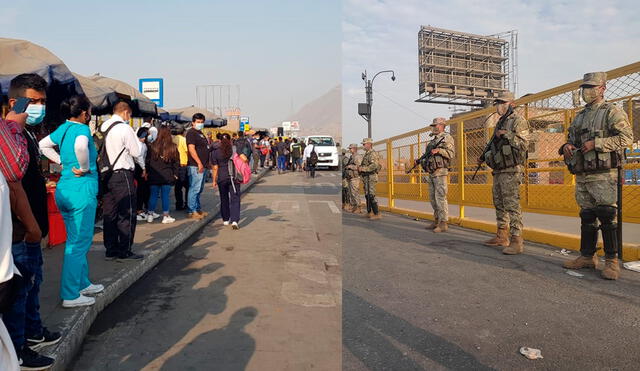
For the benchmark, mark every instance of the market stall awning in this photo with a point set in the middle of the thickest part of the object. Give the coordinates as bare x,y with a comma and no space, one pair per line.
102,97
185,114
142,105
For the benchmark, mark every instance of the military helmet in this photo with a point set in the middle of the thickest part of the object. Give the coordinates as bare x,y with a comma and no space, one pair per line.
353,145
438,120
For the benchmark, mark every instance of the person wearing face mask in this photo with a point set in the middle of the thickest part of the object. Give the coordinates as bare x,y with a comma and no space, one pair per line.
119,205
198,162
30,224
595,148
76,197
441,150
506,155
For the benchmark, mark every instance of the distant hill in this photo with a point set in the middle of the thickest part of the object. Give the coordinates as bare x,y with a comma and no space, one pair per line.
322,116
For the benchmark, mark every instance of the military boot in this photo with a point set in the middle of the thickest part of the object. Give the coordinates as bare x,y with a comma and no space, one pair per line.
501,238
432,225
441,227
377,216
582,262
515,247
369,215
611,269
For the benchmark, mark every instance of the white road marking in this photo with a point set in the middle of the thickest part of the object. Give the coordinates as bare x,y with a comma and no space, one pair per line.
326,185
277,206
331,204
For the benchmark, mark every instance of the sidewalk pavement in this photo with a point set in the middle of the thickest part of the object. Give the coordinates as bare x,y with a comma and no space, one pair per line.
155,241
553,223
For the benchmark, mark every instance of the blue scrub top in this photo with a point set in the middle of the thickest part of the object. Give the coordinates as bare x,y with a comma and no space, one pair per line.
68,155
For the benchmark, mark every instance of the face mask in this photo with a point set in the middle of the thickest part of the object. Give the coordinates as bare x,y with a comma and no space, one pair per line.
589,94
199,126
35,114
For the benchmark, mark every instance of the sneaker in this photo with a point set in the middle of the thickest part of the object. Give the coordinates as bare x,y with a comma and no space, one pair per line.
149,218
110,257
31,360
80,301
130,256
226,222
47,338
235,225
92,289
141,217
167,219
153,214
99,225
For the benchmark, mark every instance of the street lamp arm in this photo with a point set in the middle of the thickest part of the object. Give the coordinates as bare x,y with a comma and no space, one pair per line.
385,71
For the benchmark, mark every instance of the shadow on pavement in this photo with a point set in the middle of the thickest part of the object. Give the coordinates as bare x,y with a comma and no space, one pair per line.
229,348
367,328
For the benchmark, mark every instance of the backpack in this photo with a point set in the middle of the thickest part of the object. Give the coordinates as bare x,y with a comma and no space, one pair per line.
313,157
239,171
105,166
295,150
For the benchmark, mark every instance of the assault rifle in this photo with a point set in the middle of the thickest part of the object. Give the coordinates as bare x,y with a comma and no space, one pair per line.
425,156
486,148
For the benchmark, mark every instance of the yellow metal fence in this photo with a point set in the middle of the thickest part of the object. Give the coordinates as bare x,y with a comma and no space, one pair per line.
548,186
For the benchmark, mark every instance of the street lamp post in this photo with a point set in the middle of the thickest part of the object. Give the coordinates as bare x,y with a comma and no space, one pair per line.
365,111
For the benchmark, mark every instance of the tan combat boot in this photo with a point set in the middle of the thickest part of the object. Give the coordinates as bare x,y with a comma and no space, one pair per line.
441,227
516,247
582,262
611,269
375,216
501,238
368,215
356,210
432,225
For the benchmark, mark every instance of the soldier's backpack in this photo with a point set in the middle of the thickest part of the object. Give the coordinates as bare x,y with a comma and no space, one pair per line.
105,166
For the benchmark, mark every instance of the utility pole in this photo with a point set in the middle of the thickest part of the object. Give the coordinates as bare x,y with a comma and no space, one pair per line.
364,109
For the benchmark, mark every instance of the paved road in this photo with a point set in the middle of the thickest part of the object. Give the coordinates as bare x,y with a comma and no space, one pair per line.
266,297
414,300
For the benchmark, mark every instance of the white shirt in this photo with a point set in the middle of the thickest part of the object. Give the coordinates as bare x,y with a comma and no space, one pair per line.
140,160
6,232
121,136
307,151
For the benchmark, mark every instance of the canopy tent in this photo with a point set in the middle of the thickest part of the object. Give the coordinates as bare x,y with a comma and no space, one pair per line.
102,97
142,106
20,56
185,114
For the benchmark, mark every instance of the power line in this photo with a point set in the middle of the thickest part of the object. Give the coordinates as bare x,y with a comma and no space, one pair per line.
401,105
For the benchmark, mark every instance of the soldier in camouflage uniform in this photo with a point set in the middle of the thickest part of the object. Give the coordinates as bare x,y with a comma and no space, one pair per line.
368,171
353,179
595,148
506,155
440,151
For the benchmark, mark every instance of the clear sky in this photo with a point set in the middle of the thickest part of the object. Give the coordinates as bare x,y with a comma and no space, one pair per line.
558,42
275,50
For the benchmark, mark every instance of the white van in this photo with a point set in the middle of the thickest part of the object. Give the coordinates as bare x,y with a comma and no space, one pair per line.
326,150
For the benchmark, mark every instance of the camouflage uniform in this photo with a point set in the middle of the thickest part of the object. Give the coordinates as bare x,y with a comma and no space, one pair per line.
437,179
507,180
368,170
345,181
353,180
597,175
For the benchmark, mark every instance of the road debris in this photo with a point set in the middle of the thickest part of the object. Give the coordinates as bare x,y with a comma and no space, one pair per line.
565,252
632,266
574,273
531,353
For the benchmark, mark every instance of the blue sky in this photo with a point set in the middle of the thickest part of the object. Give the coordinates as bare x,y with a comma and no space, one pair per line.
275,50
558,42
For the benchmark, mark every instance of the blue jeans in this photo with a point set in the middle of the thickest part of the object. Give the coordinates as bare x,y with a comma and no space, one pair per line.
281,162
156,190
196,186
23,319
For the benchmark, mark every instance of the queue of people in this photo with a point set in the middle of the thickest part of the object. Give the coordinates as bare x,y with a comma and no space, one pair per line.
117,174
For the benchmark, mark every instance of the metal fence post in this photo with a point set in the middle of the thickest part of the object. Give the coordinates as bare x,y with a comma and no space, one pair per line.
390,174
461,168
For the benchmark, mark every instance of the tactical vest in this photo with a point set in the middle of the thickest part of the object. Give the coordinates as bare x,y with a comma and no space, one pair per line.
350,173
581,132
434,162
366,161
501,155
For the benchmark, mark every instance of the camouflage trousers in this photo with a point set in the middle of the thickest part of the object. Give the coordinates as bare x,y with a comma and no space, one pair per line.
369,182
506,200
438,197
353,192
601,192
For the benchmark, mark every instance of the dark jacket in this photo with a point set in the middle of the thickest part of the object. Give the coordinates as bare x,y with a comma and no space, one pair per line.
160,172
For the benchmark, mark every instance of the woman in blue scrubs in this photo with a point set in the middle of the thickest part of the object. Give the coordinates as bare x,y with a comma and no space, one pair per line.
76,197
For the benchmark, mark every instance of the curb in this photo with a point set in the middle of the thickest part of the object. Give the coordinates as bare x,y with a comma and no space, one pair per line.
76,326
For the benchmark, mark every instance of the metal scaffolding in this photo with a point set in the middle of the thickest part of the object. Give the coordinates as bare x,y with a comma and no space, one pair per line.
458,68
